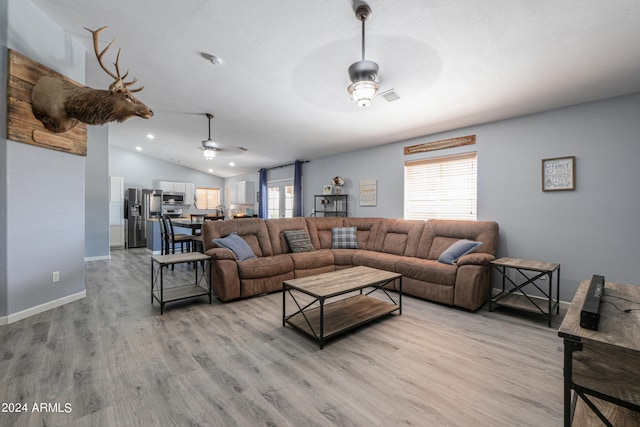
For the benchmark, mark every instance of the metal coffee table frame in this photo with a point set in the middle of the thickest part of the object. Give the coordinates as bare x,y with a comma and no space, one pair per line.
163,295
322,320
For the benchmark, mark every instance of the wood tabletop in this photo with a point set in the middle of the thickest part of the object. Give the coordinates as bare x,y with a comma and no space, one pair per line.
341,281
526,264
615,328
180,258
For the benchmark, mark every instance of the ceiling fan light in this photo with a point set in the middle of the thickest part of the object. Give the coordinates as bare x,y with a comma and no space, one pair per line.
209,153
363,91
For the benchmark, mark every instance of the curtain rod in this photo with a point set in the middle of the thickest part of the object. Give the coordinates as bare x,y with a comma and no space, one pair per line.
284,166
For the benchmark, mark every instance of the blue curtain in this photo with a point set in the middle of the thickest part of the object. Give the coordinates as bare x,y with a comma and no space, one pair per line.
297,189
262,202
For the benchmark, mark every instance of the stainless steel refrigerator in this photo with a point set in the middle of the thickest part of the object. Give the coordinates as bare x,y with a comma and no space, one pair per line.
139,205
135,221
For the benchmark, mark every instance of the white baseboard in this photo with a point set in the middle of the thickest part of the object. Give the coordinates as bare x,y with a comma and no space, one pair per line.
97,258
32,311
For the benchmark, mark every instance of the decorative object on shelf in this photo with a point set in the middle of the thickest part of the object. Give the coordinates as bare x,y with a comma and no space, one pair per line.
368,192
363,74
338,182
558,174
324,203
60,105
439,145
327,189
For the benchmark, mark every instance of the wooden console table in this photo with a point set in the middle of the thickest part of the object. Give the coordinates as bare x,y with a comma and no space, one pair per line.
603,367
516,297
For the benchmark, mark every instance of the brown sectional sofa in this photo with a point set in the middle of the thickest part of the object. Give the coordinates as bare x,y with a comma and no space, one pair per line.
409,247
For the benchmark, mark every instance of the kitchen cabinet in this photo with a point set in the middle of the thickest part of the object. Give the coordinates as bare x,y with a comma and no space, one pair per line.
116,189
243,193
186,188
189,194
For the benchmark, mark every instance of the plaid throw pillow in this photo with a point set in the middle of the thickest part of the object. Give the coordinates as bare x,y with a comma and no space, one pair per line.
344,238
299,241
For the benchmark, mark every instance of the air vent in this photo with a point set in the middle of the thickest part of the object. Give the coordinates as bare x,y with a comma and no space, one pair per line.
390,95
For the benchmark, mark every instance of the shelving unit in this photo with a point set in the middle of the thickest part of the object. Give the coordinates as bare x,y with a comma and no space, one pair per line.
335,205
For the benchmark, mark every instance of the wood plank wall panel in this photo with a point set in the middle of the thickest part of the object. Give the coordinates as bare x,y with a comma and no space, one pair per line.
22,126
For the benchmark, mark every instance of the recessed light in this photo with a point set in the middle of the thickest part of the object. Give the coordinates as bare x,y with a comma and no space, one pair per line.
231,164
210,170
139,148
150,136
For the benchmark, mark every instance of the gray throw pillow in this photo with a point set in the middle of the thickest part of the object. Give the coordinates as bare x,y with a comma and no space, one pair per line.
344,238
299,241
456,250
237,245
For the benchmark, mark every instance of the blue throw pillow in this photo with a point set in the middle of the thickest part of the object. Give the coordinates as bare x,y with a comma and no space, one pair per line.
458,249
344,238
237,245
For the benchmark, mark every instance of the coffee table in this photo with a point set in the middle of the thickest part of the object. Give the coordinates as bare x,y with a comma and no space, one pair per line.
352,307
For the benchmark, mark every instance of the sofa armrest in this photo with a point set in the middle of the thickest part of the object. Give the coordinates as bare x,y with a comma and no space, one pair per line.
475,259
221,253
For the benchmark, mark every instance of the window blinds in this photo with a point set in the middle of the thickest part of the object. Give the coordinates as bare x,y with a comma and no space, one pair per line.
441,188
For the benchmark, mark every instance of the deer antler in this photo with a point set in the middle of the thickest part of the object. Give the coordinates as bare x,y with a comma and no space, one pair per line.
99,55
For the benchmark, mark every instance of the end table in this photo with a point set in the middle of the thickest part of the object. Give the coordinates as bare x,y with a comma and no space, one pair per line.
163,295
514,296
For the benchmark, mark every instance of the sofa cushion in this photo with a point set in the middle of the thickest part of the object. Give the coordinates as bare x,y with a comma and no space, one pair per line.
344,238
237,245
320,229
308,260
252,230
277,228
366,230
299,241
379,260
427,270
398,236
439,234
264,267
456,250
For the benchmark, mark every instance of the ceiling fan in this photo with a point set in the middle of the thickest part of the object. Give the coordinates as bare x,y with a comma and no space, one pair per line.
211,149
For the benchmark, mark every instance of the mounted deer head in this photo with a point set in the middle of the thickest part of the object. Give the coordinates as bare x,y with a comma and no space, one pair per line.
60,105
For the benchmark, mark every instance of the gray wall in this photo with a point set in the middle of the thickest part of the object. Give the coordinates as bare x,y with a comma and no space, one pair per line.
592,230
96,200
43,218
4,280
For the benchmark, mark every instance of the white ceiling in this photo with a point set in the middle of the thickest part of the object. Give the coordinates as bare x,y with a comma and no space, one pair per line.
281,91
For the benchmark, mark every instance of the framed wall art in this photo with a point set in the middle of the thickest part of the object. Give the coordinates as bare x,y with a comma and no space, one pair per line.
368,192
558,174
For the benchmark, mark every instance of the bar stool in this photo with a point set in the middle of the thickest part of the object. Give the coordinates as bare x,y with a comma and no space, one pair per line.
173,239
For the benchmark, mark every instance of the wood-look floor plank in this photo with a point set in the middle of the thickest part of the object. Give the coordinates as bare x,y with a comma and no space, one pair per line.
118,362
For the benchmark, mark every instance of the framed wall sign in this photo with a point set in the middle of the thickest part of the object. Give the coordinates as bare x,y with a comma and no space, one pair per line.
558,174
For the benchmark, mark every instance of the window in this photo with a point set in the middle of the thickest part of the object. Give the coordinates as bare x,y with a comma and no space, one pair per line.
207,198
280,199
442,187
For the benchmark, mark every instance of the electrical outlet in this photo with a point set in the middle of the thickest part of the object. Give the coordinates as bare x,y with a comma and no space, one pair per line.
56,276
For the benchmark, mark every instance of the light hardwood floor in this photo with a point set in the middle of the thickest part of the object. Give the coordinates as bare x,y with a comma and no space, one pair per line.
116,362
